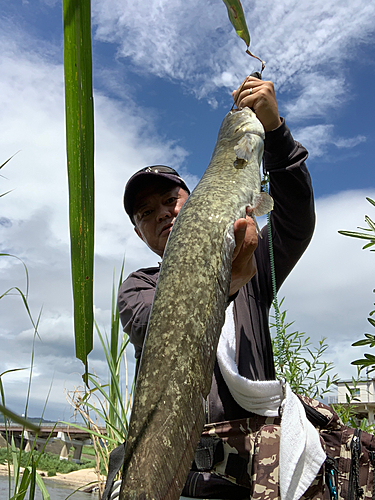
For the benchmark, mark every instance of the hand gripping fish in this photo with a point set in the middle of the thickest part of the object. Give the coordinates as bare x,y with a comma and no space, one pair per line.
188,313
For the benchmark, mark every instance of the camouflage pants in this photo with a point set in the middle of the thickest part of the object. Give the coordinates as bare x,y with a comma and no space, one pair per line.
250,459
240,460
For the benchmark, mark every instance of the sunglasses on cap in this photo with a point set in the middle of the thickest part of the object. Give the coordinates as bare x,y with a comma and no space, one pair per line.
156,169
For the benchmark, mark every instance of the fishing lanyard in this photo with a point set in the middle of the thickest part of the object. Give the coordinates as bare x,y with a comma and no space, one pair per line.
279,340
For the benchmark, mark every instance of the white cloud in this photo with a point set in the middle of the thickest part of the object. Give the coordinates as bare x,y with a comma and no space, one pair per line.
349,143
329,293
303,43
318,96
50,3
295,37
317,139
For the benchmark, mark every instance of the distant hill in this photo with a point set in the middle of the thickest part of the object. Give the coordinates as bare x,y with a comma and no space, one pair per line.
34,420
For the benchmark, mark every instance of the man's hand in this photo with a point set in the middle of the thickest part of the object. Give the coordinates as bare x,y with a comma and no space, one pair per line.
260,96
243,262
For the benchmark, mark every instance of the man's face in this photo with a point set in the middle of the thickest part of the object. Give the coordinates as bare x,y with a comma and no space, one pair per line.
155,210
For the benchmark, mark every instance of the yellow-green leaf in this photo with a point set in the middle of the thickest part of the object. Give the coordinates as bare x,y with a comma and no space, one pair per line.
237,18
80,157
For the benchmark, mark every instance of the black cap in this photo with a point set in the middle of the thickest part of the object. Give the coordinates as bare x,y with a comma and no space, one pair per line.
137,181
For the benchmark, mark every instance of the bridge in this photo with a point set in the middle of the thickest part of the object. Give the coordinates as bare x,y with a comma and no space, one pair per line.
66,435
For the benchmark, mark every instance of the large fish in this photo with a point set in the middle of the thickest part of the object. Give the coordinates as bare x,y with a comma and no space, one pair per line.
188,313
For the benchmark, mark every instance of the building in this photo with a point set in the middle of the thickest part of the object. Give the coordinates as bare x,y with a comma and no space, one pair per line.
363,397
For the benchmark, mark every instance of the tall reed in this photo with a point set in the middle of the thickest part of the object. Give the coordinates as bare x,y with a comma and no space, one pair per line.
105,407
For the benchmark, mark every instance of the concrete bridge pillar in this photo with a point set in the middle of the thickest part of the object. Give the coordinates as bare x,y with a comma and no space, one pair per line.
68,442
64,453
30,439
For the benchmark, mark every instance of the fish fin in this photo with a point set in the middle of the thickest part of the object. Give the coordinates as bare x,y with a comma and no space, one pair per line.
258,228
263,204
250,213
244,148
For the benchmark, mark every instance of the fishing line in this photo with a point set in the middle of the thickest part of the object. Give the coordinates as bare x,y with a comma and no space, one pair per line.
279,339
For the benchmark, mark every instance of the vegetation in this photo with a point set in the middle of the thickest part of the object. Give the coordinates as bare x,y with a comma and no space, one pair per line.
303,368
88,450
47,462
106,404
237,18
19,485
349,410
299,362
368,361
113,411
302,365
79,113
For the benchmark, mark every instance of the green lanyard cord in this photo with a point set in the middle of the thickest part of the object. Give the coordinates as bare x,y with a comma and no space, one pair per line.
279,340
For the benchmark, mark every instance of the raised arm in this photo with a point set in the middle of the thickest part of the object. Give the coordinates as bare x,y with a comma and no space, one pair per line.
293,217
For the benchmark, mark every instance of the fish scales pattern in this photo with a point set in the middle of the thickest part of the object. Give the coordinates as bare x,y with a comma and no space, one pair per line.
187,317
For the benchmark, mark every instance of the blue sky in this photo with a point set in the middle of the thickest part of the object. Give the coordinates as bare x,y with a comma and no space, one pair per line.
163,75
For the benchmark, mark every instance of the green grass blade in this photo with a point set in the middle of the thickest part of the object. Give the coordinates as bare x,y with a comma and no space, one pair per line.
6,192
91,432
18,419
42,487
237,18
6,161
115,396
114,322
110,403
25,267
114,392
113,347
80,156
355,234
33,474
16,469
24,484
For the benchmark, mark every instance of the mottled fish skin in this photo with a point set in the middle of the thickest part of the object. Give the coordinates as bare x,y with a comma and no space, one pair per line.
188,313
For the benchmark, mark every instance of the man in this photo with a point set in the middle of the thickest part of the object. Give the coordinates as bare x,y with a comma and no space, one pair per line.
154,196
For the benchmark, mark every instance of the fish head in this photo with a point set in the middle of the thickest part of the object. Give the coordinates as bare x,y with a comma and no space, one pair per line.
239,122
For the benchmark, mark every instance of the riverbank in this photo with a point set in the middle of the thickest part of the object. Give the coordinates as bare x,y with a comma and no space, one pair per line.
76,479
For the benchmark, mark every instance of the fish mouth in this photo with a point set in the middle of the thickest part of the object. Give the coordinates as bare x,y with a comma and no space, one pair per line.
246,125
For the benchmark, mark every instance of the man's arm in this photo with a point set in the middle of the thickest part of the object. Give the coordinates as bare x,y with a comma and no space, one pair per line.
293,216
135,299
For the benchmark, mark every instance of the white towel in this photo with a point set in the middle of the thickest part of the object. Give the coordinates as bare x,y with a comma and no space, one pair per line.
301,454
